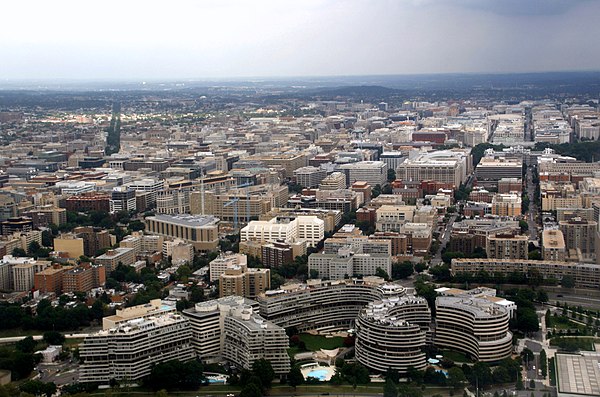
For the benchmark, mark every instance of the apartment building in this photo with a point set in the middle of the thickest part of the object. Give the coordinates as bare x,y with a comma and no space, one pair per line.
507,246
345,263
474,326
113,257
372,172
309,176
580,238
230,328
307,228
553,245
506,204
240,280
391,334
585,275
130,349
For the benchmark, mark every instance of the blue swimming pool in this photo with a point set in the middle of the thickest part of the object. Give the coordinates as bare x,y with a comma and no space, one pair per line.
320,374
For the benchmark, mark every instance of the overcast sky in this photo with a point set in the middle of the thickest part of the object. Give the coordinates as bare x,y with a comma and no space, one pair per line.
177,39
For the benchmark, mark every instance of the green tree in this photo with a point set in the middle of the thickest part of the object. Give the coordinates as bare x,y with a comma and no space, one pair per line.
532,384
402,270
54,338
162,393
456,377
37,388
544,363
568,282
264,370
26,345
251,390
379,272
391,175
390,389
295,377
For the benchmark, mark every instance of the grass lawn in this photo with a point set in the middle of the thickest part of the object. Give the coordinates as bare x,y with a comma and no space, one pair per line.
563,322
317,342
455,356
574,343
292,351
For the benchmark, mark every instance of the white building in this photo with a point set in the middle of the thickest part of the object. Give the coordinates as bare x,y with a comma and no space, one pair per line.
372,172
308,228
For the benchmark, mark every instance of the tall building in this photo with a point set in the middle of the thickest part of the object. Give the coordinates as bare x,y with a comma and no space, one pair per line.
94,239
150,186
391,334
229,328
83,278
70,244
553,245
50,280
445,166
507,246
23,276
277,254
122,198
113,257
243,281
580,238
334,181
91,201
307,228
506,204
220,264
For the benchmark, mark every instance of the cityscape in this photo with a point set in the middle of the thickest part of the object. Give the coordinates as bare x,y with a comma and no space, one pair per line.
359,231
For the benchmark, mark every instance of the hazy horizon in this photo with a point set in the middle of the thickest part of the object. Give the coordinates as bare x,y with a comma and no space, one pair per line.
268,39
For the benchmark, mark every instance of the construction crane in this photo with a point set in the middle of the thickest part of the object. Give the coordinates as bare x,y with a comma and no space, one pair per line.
234,201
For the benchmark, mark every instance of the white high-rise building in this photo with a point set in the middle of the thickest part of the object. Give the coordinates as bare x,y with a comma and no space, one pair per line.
307,228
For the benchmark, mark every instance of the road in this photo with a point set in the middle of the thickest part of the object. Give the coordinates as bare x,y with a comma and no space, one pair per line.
14,339
533,210
444,238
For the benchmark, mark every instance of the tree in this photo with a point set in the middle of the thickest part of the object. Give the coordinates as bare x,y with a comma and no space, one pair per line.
532,384
568,282
19,252
251,390
481,374
501,375
390,389
295,377
263,369
542,296
54,338
391,175
162,393
544,363
456,377
379,272
527,355
26,345
37,388
402,270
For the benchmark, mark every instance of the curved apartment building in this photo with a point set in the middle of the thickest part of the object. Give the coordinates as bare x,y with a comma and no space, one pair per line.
392,332
474,326
323,305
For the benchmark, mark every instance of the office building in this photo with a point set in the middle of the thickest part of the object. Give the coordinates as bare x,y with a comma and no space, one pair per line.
345,263
199,230
309,176
307,228
445,166
580,238
218,265
91,201
372,172
334,181
122,198
506,205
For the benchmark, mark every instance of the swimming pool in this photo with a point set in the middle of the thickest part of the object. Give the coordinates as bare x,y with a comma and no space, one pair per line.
320,374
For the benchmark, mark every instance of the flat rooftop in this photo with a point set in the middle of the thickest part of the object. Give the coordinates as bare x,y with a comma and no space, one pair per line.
187,220
578,375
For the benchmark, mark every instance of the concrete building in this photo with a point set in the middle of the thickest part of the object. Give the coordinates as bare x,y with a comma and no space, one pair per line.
70,244
130,349
277,254
323,305
445,166
580,238
83,278
122,198
111,258
506,205
392,218
308,228
179,251
507,246
553,245
23,276
220,264
391,334
199,230
585,275
491,169
372,172
309,176
243,281
150,186
345,263
334,181
50,280
229,328
474,326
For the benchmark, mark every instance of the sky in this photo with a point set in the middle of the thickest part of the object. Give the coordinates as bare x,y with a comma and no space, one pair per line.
203,39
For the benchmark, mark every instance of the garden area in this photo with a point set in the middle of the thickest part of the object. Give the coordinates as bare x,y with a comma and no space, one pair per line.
572,344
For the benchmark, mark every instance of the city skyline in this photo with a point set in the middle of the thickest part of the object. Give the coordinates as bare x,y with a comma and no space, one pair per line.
232,39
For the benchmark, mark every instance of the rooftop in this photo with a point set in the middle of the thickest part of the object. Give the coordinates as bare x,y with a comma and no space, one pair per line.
578,374
187,220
